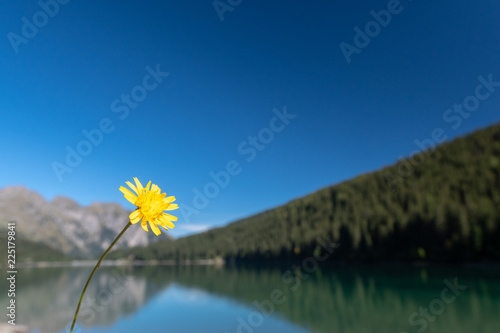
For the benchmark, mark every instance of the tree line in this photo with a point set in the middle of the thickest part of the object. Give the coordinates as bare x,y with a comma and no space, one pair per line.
442,204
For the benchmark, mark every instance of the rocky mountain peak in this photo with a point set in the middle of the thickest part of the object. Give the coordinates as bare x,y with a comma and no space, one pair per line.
65,225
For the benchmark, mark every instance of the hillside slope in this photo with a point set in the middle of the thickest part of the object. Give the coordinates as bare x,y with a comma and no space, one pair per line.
440,205
28,251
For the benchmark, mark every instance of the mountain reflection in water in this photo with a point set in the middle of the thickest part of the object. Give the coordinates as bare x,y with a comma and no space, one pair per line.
333,299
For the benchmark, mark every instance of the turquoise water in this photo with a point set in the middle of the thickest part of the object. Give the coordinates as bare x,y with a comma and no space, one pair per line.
287,299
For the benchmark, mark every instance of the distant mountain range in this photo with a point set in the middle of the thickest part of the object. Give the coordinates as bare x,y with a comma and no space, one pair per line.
65,226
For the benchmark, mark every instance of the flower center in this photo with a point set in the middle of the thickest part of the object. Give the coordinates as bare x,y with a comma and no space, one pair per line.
151,204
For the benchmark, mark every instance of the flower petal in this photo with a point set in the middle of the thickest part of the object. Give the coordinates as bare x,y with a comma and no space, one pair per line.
155,228
132,186
128,194
165,221
172,207
169,217
147,186
135,216
144,225
139,186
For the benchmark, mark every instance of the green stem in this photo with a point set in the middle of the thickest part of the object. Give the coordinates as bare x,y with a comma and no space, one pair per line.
92,274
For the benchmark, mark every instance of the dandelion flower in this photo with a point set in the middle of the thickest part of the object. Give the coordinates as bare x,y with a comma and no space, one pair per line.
151,204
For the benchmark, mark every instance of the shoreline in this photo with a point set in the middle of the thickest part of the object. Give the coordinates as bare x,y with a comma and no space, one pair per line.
221,262
6,328
113,263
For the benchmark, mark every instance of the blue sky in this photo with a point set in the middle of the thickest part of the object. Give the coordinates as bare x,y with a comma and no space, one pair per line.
88,65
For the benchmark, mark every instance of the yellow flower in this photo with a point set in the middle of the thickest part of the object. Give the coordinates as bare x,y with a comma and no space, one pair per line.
150,206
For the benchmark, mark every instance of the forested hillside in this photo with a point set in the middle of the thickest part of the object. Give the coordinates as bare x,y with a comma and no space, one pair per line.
440,205
28,251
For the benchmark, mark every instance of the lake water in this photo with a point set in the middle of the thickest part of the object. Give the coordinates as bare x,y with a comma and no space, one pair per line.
286,299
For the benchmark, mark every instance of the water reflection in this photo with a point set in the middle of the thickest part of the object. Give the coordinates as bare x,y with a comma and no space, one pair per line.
46,298
338,299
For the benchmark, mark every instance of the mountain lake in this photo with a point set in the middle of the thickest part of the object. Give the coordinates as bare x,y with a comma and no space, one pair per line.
292,298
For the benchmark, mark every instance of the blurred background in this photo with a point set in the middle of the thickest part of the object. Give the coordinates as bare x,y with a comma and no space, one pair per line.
228,69
238,107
